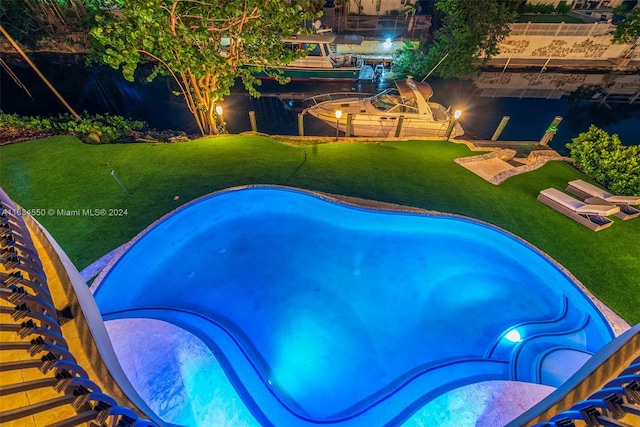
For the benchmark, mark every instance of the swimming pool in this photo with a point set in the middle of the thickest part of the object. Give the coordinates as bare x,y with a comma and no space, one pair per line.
325,313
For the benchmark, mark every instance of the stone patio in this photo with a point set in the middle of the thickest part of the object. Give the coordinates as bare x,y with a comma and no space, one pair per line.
502,163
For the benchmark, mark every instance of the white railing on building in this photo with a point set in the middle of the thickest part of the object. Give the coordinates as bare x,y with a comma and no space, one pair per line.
561,29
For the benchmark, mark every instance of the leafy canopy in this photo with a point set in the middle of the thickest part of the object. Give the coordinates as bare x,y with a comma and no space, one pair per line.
628,30
203,45
471,30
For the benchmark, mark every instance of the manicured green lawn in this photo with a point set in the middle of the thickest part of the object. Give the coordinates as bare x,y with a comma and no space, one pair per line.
62,173
549,19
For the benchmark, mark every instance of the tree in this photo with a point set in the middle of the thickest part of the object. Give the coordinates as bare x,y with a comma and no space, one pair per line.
471,30
29,21
203,45
628,30
606,160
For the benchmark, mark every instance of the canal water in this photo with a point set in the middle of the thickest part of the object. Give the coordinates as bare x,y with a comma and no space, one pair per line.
530,99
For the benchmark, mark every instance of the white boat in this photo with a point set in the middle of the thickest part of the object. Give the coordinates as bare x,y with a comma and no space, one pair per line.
406,107
322,62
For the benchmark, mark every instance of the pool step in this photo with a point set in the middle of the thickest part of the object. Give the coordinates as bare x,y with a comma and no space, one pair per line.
534,351
534,361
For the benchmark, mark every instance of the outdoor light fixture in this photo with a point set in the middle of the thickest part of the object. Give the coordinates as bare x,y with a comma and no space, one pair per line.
387,44
452,123
338,115
219,111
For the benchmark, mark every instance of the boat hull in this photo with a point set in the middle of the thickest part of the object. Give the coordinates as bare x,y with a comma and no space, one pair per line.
387,126
409,128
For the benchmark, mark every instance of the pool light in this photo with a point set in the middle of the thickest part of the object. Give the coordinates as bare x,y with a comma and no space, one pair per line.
513,336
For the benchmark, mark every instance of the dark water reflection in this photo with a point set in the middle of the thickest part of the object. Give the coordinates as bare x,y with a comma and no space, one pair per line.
99,89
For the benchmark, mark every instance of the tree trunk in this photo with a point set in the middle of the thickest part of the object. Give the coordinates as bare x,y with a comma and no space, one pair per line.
206,120
209,124
79,8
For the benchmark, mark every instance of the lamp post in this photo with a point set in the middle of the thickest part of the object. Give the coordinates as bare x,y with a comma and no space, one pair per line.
219,112
452,123
338,115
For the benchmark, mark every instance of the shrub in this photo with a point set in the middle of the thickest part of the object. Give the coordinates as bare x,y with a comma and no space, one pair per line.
544,9
106,127
603,157
563,8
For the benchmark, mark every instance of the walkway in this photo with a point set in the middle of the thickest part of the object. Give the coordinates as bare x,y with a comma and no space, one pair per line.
505,159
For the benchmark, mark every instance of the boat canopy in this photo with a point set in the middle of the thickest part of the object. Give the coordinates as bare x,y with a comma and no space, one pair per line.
327,37
353,39
311,38
408,86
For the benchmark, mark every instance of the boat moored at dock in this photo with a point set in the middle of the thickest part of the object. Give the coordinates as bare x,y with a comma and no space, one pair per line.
402,111
322,63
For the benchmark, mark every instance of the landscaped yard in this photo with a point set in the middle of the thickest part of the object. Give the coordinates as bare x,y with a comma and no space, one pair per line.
61,173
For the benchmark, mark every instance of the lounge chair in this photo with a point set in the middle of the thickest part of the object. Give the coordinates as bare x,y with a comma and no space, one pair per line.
590,193
591,215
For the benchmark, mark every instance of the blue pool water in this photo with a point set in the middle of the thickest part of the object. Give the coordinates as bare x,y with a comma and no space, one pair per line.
325,313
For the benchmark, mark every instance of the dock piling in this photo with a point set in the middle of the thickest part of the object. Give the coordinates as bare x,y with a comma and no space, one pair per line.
500,128
252,119
551,131
399,127
301,127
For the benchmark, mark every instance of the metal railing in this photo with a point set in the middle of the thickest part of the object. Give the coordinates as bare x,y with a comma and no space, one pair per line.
560,29
605,391
33,340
